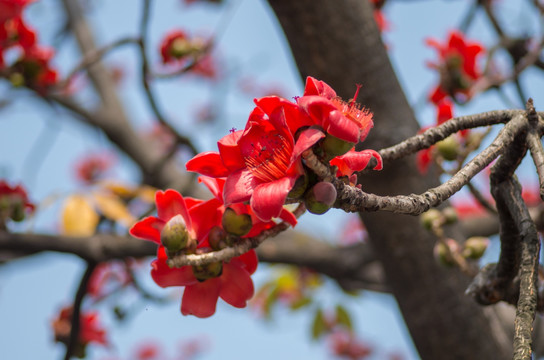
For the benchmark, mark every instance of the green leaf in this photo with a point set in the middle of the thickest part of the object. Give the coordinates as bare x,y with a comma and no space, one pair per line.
343,317
319,326
300,303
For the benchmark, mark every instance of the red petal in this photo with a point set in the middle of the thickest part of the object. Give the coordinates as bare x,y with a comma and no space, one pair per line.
317,87
356,161
288,217
208,163
340,126
148,228
169,204
214,185
445,111
268,198
248,261
205,216
165,276
236,285
229,151
200,298
239,187
305,141
437,95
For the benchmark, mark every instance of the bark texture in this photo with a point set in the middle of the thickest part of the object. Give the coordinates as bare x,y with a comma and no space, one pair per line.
338,42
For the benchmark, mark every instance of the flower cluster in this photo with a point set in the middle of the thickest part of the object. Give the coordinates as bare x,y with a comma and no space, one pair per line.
457,67
254,173
32,67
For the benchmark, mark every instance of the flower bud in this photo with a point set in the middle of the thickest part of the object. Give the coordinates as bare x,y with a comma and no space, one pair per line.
443,252
430,217
235,224
320,197
450,215
180,48
475,247
448,148
17,79
18,211
333,146
217,238
207,271
174,235
300,187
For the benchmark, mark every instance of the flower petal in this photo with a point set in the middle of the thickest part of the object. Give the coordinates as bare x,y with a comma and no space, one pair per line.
268,198
200,299
148,229
205,216
248,261
239,187
169,204
208,163
318,87
288,217
306,140
165,276
230,151
236,285
214,185
340,126
356,161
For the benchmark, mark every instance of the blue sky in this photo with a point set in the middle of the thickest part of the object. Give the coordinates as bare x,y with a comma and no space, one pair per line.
33,289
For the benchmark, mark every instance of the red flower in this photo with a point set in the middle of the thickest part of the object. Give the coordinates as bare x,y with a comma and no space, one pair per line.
345,345
14,203
35,68
355,161
174,38
457,66
90,331
262,162
14,32
108,277
12,8
234,284
92,167
344,120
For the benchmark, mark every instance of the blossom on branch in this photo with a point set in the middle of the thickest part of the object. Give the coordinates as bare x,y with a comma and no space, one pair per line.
90,330
14,203
204,284
456,65
12,8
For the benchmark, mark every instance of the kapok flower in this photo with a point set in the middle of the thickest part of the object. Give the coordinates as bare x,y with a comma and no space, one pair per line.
12,8
456,65
90,330
347,121
35,68
262,162
14,203
231,280
93,167
14,32
177,45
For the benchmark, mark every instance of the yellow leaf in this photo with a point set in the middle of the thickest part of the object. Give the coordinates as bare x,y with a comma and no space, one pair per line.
146,193
113,208
118,189
78,217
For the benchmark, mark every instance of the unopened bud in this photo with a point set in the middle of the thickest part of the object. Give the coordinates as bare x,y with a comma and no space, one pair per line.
475,247
217,238
180,48
450,215
443,252
18,211
17,79
174,235
320,197
207,271
300,187
235,224
333,146
448,148
430,217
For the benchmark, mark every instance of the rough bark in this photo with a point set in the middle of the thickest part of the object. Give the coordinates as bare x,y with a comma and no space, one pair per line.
338,42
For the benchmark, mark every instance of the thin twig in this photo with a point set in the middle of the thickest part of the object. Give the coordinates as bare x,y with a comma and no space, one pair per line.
240,248
76,311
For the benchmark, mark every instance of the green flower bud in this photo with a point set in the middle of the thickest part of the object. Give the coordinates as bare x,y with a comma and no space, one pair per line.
300,187
450,215
443,252
217,238
18,211
180,48
430,217
448,148
475,247
174,235
207,271
320,198
333,146
17,79
235,224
